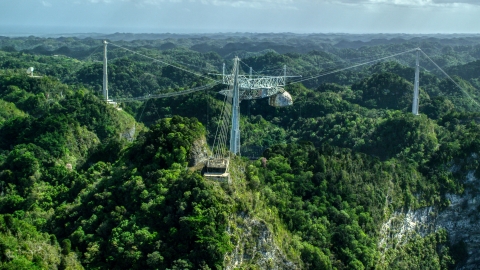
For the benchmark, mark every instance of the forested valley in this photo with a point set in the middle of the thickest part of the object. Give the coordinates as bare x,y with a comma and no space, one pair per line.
334,181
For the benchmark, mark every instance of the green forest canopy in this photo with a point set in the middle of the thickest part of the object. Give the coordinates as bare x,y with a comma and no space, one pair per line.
76,187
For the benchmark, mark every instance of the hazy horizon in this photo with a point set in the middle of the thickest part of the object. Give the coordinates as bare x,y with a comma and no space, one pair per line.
58,32
50,17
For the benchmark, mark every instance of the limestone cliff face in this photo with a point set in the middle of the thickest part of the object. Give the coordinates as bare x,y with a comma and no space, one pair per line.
129,133
258,239
254,246
461,219
198,152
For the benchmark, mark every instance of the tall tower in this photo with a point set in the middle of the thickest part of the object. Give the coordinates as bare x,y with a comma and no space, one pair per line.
223,73
105,77
248,87
416,96
235,131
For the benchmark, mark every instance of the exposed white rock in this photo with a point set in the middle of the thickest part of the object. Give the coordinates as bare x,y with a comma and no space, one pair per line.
255,246
198,152
129,133
461,220
470,177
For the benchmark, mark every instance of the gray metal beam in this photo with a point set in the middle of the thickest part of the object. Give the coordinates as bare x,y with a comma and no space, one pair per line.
105,77
235,131
416,90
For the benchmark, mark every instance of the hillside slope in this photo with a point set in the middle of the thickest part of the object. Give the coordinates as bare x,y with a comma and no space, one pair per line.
340,180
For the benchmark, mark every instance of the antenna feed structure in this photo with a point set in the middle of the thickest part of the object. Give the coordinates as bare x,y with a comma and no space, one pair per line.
30,71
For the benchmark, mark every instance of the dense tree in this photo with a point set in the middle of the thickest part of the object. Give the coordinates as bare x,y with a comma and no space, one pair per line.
88,184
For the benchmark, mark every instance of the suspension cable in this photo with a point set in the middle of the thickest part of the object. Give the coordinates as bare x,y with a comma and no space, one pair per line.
163,62
172,94
88,57
354,66
450,78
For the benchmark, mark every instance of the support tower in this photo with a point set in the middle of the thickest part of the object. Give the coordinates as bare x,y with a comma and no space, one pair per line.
235,131
105,77
416,94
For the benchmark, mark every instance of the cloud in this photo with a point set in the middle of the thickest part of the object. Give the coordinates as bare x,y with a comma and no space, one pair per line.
99,1
410,3
300,4
470,2
258,4
46,4
251,3
293,3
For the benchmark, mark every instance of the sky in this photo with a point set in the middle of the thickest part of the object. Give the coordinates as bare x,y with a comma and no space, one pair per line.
25,17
